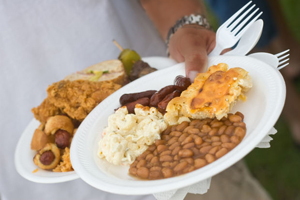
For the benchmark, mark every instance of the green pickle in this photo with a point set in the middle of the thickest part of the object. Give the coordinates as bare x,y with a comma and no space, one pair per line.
128,57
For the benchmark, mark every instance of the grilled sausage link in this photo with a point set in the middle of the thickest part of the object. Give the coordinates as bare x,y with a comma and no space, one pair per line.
143,101
127,98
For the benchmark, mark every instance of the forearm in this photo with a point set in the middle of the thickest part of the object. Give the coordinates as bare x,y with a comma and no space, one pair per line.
165,13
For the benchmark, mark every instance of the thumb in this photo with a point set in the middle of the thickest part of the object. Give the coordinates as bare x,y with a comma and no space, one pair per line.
195,63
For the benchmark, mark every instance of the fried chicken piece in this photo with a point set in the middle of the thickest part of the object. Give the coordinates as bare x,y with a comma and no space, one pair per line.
78,98
45,110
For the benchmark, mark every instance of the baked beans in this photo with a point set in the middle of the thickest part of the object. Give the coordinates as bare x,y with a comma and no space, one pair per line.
189,146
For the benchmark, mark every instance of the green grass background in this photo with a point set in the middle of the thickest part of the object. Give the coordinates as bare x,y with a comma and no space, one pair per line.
278,168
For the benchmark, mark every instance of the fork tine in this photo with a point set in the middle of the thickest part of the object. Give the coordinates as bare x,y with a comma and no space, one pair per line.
279,68
247,26
283,57
280,63
281,53
235,15
233,25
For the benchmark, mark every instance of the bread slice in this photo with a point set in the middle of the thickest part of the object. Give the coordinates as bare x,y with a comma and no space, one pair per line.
110,70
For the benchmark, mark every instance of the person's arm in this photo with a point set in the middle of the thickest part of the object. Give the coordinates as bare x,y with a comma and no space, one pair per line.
191,43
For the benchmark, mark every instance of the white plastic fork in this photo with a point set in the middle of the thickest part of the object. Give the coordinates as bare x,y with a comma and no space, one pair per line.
281,56
229,33
277,61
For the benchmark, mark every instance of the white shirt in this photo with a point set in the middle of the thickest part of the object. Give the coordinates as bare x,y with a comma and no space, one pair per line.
40,43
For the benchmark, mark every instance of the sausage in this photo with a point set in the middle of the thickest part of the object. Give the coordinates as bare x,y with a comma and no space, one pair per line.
143,101
163,104
127,98
62,139
182,83
47,158
161,94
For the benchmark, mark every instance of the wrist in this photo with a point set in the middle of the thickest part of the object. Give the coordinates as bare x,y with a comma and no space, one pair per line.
191,21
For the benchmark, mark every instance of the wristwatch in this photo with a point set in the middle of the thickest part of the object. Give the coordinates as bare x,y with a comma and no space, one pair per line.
188,19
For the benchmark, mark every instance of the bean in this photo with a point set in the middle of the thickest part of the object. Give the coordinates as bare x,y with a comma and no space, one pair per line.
172,140
240,114
229,130
167,131
166,137
188,145
143,172
227,122
216,144
215,138
182,137
235,118
175,150
143,155
216,124
134,163
193,131
155,152
214,150
194,122
187,140
188,169
151,147
166,164
161,148
198,141
225,138
228,145
205,149
188,160
200,124
176,157
240,124
132,170
205,129
240,132
167,172
195,151
176,144
155,168
159,142
154,160
175,133
199,163
185,153
167,152
154,175
234,139
221,152
187,129
165,158
180,166
174,163
149,157
222,129
209,158
182,126
213,132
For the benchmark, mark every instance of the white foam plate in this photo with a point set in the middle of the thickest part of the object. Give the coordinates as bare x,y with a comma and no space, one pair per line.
262,109
24,155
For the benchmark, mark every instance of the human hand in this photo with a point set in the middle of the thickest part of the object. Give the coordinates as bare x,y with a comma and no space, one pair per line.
191,44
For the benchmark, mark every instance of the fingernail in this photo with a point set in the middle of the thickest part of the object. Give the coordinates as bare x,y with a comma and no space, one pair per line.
192,75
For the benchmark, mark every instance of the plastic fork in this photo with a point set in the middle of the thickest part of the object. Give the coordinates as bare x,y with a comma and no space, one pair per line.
229,33
283,55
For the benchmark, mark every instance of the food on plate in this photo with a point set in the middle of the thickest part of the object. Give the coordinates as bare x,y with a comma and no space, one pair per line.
139,69
48,157
129,135
211,95
189,146
110,70
40,139
75,98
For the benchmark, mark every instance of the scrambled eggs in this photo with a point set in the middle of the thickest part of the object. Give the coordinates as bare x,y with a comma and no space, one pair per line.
129,135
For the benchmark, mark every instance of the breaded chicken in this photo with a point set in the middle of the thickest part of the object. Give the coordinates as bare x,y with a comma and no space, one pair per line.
211,95
74,98
78,98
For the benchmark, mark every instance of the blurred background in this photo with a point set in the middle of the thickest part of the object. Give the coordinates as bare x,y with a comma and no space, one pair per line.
278,168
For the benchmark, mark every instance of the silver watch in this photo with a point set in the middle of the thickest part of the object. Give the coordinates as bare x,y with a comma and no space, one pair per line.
191,19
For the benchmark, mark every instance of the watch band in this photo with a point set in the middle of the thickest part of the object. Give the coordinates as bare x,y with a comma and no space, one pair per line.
188,19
